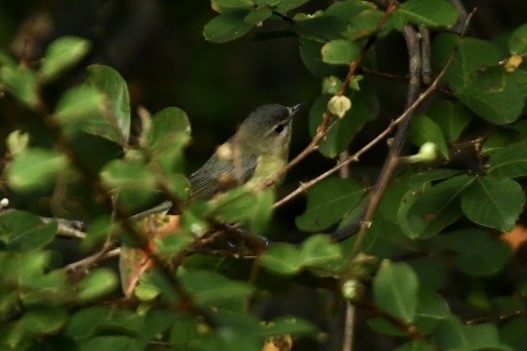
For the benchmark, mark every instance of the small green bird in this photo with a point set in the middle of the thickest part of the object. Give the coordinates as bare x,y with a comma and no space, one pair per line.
253,155
258,150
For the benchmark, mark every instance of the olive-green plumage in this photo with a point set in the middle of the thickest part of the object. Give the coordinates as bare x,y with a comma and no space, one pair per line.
258,150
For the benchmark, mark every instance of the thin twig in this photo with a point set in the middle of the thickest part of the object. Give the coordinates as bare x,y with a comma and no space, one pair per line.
326,117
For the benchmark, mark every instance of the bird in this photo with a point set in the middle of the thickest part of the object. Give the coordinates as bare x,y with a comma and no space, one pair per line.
253,155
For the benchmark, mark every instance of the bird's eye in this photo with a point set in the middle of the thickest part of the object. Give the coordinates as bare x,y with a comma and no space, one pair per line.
279,128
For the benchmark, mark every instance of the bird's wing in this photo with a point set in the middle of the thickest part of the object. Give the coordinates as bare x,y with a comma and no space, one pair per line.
208,181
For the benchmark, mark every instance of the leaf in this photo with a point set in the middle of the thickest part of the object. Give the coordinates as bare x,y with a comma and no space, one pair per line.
258,15
471,56
340,51
320,250
22,231
431,310
430,13
310,52
44,319
283,259
79,103
425,215
452,118
494,202
62,54
132,181
510,161
244,205
284,5
96,284
365,108
395,288
114,123
423,130
415,345
234,3
320,28
227,27
209,288
493,95
22,83
517,41
34,169
479,253
169,124
327,202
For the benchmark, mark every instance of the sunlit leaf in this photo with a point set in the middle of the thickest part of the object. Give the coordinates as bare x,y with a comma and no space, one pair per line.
282,259
62,54
22,83
35,168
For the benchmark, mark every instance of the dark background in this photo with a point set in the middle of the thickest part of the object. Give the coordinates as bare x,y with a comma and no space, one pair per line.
158,47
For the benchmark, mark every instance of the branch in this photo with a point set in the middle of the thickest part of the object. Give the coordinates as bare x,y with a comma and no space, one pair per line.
326,117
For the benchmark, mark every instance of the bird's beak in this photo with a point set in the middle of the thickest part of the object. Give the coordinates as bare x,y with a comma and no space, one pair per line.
294,109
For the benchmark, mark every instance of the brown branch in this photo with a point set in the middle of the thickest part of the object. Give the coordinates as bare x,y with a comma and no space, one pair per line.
326,117
399,139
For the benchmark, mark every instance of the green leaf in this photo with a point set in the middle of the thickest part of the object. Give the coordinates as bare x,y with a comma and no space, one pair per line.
227,27
431,310
114,123
327,202
452,118
22,231
479,253
494,202
471,56
109,343
320,28
22,83
209,288
132,181
430,13
510,161
349,10
424,215
395,288
340,52
310,52
79,104
514,333
424,129
234,3
169,124
415,345
44,319
517,41
283,5
35,169
365,108
283,259
243,205
454,335
258,15
319,251
96,284
493,95
62,54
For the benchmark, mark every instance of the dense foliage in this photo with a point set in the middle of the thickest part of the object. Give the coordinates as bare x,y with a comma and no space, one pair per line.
429,254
